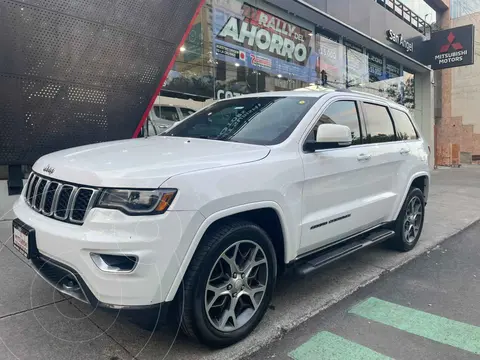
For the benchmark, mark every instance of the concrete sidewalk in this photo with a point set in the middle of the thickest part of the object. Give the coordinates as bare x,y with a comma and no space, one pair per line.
426,310
37,324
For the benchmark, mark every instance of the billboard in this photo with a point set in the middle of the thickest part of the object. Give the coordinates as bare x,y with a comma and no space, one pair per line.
258,39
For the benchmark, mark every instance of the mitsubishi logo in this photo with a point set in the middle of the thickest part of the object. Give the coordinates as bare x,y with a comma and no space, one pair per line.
48,169
456,46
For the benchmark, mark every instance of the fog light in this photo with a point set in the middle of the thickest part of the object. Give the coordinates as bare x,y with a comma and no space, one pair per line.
115,263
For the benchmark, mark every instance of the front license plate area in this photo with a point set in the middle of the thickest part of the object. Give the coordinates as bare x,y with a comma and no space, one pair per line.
24,239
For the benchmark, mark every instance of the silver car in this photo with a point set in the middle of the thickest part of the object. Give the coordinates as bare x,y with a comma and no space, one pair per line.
162,117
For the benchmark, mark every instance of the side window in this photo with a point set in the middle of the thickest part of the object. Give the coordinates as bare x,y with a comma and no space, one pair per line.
169,113
341,113
403,126
379,124
156,109
187,112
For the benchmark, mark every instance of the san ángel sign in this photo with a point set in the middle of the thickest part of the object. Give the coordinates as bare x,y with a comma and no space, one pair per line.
399,40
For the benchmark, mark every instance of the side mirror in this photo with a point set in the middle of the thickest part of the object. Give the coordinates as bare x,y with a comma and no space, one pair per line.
330,136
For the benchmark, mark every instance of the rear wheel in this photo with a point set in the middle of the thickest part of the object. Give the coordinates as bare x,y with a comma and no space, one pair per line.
229,284
409,224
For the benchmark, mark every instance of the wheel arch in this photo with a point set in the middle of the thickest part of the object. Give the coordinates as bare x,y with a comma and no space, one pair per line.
422,181
244,212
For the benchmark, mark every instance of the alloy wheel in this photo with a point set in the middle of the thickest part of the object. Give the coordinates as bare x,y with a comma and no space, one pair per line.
236,286
413,219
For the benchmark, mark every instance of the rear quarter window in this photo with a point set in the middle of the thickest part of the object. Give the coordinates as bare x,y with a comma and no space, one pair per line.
403,125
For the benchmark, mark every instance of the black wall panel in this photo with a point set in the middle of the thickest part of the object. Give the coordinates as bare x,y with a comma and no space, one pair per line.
75,72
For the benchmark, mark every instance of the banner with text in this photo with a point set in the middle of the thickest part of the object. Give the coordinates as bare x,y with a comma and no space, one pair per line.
257,39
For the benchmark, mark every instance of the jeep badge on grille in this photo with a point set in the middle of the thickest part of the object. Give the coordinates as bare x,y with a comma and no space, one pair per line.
48,169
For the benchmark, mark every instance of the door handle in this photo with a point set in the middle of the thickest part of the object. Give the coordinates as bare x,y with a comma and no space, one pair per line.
364,157
404,151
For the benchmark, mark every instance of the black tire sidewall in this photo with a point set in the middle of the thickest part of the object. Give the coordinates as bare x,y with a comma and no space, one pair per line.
406,246
203,328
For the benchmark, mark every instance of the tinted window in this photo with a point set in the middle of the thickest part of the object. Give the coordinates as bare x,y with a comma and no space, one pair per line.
403,126
379,124
166,112
255,120
341,113
169,113
186,112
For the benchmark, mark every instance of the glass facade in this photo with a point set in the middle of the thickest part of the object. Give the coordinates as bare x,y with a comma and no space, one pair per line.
238,47
460,8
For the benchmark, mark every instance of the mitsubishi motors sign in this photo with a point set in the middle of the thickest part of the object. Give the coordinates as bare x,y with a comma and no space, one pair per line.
452,47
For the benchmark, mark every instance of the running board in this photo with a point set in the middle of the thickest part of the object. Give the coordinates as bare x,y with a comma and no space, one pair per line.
333,254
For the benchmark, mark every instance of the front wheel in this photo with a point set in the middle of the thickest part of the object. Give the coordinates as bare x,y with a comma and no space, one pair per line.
229,284
409,224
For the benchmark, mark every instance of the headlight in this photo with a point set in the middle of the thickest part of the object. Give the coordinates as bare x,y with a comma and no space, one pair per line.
137,202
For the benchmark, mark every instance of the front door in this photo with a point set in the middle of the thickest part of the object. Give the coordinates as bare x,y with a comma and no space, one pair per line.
337,196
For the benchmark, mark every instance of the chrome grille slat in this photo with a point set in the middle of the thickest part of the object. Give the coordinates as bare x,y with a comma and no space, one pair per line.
28,195
35,193
70,206
31,188
55,198
82,210
44,195
29,184
65,205
50,197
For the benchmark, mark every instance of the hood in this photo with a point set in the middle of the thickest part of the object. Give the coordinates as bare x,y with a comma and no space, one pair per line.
143,163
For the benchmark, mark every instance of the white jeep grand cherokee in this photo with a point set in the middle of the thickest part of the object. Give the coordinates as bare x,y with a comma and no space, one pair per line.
209,214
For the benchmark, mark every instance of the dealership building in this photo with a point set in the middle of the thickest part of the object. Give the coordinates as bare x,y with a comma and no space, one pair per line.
98,77
238,47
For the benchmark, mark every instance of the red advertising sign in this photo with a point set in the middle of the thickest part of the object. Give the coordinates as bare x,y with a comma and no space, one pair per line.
266,33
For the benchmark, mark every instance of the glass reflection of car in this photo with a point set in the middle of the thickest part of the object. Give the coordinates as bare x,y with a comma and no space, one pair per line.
162,117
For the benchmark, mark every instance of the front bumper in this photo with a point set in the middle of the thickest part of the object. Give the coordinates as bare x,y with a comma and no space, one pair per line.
64,261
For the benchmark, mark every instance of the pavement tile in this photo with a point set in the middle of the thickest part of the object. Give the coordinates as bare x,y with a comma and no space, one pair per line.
56,332
21,288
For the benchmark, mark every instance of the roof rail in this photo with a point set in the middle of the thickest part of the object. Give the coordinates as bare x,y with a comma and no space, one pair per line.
343,90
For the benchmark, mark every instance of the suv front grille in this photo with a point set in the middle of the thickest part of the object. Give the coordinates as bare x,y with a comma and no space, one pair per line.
64,202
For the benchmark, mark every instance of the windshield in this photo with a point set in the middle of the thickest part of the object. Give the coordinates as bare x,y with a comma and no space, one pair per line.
253,120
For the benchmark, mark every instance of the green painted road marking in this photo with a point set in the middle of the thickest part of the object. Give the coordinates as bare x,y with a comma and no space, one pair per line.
433,327
328,346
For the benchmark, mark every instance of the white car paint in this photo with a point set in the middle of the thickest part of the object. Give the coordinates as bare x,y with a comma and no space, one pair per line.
216,179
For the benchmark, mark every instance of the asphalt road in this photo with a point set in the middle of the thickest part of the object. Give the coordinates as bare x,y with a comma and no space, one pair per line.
429,309
36,323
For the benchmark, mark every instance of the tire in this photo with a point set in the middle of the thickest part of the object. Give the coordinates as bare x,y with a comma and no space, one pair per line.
205,268
401,241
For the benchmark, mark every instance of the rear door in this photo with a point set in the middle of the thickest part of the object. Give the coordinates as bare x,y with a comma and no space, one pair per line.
414,149
387,158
